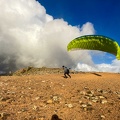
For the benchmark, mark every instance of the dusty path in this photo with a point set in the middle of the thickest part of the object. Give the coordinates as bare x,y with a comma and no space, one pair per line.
85,96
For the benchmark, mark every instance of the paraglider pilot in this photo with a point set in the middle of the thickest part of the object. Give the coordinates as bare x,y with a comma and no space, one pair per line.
66,71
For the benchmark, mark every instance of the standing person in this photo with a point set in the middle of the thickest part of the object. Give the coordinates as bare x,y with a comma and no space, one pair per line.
66,72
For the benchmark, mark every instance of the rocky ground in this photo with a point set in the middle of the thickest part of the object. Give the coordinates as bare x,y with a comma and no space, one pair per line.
44,94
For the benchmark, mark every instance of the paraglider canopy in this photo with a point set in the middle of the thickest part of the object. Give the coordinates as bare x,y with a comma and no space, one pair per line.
95,42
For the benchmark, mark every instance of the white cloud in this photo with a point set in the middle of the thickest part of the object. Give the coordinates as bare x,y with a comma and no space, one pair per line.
112,68
84,29
116,62
31,37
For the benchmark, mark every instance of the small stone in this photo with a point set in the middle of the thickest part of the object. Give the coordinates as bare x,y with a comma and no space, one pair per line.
36,108
85,109
102,116
96,98
80,101
37,98
94,101
84,105
89,104
82,92
23,109
19,112
99,90
87,97
90,95
103,101
41,118
90,92
104,92
43,81
49,102
55,98
101,97
70,105
86,88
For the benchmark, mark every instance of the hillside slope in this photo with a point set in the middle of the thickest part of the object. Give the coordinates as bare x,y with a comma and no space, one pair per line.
85,96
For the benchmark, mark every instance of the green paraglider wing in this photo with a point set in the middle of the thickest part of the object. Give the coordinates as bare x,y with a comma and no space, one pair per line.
95,42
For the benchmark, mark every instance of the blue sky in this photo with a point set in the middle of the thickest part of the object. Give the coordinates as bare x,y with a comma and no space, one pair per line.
103,14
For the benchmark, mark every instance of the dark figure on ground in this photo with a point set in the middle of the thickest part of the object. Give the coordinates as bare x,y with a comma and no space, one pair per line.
55,117
66,71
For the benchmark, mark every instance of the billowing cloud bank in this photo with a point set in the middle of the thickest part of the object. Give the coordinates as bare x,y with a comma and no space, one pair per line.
99,68
31,37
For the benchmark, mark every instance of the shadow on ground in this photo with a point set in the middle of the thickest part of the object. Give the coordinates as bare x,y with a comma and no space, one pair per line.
55,117
96,74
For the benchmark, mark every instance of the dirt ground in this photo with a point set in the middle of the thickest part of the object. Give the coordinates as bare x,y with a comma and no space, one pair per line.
50,96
